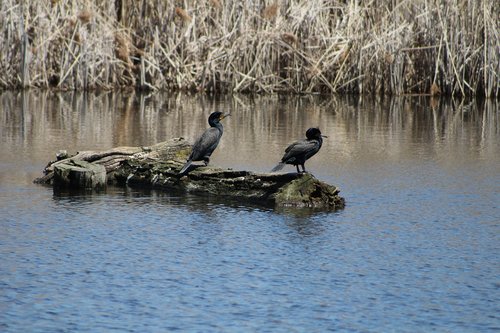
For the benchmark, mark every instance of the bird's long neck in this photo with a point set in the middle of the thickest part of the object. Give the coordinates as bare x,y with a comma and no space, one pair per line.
217,125
317,138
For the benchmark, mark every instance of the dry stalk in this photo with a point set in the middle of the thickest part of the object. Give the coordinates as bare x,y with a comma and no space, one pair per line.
316,46
183,14
270,11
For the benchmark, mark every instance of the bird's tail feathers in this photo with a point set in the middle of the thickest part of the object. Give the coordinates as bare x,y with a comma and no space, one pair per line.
185,167
278,167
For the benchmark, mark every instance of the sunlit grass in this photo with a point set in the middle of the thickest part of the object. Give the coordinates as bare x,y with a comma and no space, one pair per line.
316,46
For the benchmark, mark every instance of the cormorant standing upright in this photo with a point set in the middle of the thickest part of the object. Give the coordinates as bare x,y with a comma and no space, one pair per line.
298,152
207,142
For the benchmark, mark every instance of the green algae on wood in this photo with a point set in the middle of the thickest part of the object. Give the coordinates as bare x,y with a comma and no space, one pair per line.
307,191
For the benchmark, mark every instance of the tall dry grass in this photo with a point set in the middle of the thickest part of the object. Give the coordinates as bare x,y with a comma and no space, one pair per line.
393,47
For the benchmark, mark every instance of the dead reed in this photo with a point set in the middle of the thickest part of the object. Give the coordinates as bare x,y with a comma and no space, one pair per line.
183,14
316,46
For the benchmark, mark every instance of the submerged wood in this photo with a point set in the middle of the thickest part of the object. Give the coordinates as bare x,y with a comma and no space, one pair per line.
158,167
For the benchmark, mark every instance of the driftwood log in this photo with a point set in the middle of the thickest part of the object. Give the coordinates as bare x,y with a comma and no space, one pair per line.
158,167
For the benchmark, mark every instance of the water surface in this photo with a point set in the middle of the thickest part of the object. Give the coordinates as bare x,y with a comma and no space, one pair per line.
415,250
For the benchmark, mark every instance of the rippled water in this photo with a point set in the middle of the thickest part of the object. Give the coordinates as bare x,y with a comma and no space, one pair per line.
415,250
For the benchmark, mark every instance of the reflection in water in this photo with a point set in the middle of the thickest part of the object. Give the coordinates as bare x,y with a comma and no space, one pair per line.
416,247
259,129
195,203
370,140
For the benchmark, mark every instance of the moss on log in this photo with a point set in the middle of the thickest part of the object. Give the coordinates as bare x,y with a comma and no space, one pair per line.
158,167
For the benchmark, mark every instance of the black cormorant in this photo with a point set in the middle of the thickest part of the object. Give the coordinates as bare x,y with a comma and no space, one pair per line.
207,142
298,152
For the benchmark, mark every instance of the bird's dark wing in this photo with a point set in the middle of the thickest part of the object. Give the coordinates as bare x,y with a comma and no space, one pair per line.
206,144
300,149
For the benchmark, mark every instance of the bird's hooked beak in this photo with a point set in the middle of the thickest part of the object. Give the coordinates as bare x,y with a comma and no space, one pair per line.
222,116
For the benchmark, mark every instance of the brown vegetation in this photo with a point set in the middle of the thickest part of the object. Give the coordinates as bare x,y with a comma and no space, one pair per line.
317,46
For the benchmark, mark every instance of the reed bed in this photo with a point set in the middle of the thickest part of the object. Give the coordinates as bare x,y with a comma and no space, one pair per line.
387,47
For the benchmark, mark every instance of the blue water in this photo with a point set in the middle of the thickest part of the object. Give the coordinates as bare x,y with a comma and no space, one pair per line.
415,250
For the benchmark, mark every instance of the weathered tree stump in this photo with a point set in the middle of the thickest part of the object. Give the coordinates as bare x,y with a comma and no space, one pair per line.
79,174
158,167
